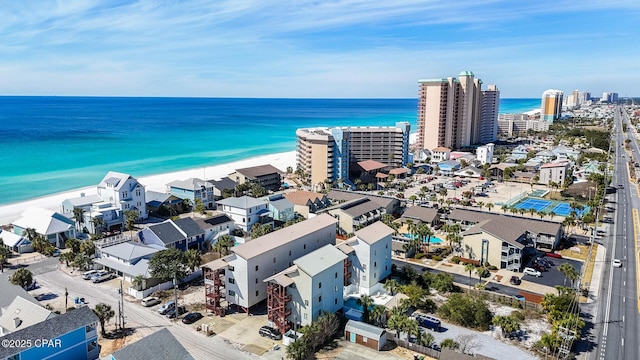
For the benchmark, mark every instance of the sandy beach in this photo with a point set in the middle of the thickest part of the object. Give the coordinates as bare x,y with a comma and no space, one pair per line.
11,212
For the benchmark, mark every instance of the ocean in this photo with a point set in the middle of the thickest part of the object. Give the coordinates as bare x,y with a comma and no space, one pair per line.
55,144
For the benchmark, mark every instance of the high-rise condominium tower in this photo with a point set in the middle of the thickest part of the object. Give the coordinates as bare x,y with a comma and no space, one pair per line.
551,105
455,112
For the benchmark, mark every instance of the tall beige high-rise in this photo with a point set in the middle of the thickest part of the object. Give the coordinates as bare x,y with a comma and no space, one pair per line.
551,105
450,112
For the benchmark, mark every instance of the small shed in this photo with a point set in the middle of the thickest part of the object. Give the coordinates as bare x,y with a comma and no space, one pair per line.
364,334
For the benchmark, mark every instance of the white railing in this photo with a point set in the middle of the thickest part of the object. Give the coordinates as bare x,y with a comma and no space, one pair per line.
112,240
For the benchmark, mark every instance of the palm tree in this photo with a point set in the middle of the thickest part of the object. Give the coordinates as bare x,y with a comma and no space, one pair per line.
5,254
73,244
66,258
532,211
88,248
469,267
426,339
192,259
81,261
552,214
391,286
138,282
569,272
104,314
98,225
396,322
223,244
376,314
489,206
78,216
22,277
505,208
366,302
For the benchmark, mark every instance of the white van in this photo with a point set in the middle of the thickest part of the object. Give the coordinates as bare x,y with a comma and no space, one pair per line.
150,301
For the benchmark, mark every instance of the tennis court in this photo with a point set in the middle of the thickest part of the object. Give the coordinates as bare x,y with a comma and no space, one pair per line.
561,208
536,204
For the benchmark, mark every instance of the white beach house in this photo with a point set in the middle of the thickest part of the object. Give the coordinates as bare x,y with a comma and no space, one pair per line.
55,227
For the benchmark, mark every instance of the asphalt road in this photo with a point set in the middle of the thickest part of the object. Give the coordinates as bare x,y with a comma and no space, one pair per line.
618,337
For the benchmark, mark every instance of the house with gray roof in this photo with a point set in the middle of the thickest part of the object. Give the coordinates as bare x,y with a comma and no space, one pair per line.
364,334
266,176
280,207
392,205
54,227
421,215
246,211
194,189
128,259
215,226
161,345
10,292
355,214
183,234
220,186
72,335
163,203
22,313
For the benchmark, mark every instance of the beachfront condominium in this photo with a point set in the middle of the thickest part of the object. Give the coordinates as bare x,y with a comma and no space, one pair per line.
330,153
551,105
455,112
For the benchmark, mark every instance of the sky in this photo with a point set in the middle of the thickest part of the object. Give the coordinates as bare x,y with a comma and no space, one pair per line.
315,48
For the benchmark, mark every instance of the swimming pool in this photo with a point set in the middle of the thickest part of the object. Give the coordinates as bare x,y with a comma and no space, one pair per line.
352,302
434,239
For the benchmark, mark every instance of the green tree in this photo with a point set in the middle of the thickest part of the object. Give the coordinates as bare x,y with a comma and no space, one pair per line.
22,277
391,286
258,230
192,259
130,216
466,311
507,324
469,267
73,244
199,207
81,261
98,225
104,314
66,258
570,273
449,344
426,339
5,254
78,216
168,264
376,314
224,243
88,247
138,282
366,302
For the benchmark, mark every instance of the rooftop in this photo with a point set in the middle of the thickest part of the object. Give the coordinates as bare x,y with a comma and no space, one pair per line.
319,260
301,197
44,221
190,184
283,236
374,232
257,171
370,165
128,250
188,226
160,345
426,215
243,202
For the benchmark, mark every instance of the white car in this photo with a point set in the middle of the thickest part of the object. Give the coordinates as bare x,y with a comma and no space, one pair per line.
616,263
532,272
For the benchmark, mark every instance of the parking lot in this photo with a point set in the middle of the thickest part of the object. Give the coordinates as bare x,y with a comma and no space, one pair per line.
551,277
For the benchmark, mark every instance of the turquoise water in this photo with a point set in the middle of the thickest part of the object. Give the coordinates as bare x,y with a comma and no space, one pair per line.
352,302
55,144
434,239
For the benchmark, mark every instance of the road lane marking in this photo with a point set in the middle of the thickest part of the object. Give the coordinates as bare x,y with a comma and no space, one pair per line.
636,230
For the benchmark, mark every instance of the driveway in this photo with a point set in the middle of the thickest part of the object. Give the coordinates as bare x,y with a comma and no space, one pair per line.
552,277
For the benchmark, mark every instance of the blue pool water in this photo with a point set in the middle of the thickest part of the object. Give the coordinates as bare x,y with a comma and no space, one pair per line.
434,239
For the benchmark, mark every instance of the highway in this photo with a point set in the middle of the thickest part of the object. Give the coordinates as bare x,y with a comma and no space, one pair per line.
618,316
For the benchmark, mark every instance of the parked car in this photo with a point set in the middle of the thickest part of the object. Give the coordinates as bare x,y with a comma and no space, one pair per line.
166,307
539,267
176,312
102,276
532,272
190,318
271,333
515,280
553,255
428,321
88,274
150,301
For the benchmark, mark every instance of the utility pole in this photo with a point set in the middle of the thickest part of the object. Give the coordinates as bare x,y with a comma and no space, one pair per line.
66,300
175,294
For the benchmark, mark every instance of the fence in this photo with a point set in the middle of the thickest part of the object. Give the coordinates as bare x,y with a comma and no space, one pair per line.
112,240
22,259
141,294
507,300
414,347
517,198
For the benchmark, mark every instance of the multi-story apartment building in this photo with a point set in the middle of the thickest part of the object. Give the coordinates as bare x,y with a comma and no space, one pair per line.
452,112
554,172
239,277
329,153
319,280
551,108
488,123
192,189
519,124
485,153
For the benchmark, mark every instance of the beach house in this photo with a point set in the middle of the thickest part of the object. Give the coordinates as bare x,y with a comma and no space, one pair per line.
193,189
54,227
307,202
215,226
128,259
355,214
267,176
239,277
246,211
182,234
17,243
72,335
280,207
440,154
20,314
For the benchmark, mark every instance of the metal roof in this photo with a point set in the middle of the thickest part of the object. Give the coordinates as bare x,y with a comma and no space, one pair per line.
320,260
160,345
364,329
374,232
243,202
129,250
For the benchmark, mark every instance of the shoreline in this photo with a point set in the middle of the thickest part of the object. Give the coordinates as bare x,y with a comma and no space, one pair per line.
12,211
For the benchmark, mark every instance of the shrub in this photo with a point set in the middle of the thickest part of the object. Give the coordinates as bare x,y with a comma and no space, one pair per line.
420,255
455,259
518,315
437,258
492,267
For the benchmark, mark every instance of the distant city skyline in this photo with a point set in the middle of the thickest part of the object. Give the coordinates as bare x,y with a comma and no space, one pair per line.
315,49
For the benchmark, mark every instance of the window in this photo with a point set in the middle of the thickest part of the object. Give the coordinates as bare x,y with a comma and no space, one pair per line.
232,293
231,268
364,277
375,275
89,328
289,252
364,339
336,275
335,288
306,303
137,192
375,264
335,301
256,280
274,260
91,346
320,298
257,292
305,246
232,281
320,285
375,252
364,266
256,267
244,220
306,316
124,194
